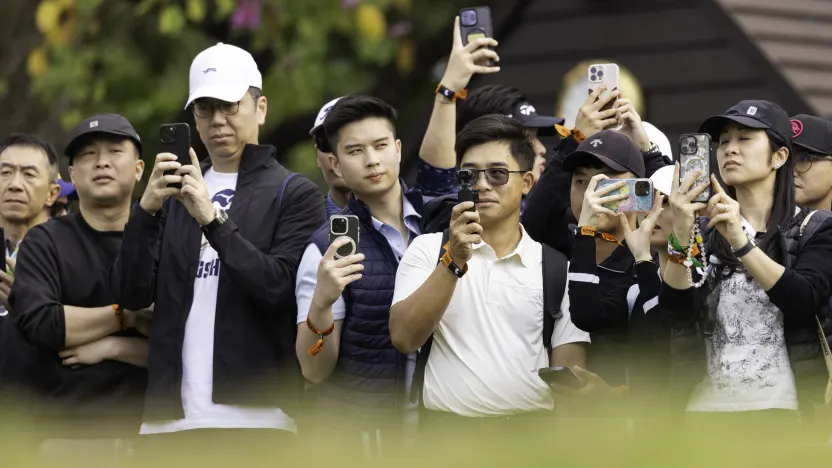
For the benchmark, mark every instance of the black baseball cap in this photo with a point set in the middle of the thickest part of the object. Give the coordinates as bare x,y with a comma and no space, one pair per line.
526,114
611,148
764,115
108,124
811,133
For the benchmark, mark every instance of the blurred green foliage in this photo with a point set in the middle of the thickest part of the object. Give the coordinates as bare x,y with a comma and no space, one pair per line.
132,57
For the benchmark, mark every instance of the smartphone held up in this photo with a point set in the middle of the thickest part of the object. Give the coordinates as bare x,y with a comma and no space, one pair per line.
695,156
175,138
475,23
639,195
606,75
344,226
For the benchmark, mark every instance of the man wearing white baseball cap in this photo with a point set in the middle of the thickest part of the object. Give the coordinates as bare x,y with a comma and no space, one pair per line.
339,193
221,277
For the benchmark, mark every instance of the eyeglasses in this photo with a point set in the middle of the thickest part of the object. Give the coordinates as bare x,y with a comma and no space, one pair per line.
494,175
803,162
205,109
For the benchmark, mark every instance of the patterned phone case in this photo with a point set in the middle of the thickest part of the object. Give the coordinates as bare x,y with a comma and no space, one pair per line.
695,155
634,202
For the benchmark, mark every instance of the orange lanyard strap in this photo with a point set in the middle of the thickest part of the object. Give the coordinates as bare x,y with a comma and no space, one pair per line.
119,313
592,232
319,345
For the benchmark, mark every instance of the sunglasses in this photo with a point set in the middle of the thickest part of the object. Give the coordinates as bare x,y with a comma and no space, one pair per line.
494,175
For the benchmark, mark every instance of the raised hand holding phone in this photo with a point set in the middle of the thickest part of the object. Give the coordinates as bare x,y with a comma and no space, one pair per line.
336,274
465,231
467,59
638,241
595,199
630,123
595,115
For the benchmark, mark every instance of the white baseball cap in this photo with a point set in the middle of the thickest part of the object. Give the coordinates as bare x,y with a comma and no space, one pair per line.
319,120
223,72
663,180
659,139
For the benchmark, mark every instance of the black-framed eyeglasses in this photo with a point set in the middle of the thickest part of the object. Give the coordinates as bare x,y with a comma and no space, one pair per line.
803,161
494,175
205,109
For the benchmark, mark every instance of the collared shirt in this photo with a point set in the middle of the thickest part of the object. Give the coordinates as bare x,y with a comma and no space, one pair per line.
308,270
488,345
331,207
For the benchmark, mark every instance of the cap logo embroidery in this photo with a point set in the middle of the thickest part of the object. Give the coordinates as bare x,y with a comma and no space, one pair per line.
596,142
797,128
527,109
751,111
93,124
205,72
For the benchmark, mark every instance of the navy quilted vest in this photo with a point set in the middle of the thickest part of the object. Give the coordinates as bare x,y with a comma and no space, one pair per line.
368,383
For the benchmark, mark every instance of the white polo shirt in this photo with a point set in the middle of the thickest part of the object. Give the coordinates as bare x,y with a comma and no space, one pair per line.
488,345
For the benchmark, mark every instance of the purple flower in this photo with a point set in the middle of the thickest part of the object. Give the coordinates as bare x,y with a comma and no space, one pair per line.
346,4
247,15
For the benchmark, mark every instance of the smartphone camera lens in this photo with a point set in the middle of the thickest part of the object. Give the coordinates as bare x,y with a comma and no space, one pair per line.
593,70
168,134
468,17
339,226
600,73
642,188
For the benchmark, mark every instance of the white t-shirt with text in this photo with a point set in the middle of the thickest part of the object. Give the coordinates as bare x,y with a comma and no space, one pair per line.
198,347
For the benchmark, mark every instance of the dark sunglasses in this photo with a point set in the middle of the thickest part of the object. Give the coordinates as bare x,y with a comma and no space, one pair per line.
494,175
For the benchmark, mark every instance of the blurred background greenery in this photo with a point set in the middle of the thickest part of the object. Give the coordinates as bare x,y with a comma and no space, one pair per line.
63,60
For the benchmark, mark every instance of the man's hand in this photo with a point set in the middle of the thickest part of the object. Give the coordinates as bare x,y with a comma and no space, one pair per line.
638,241
335,274
590,387
631,123
157,190
6,282
90,353
195,193
594,201
591,119
465,60
465,231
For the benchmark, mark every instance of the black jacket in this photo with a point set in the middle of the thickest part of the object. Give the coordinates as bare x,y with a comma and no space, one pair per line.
801,294
259,247
548,212
598,308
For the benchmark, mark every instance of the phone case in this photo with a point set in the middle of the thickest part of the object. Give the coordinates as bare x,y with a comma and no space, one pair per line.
558,375
175,138
639,195
341,226
603,74
475,23
695,155
466,193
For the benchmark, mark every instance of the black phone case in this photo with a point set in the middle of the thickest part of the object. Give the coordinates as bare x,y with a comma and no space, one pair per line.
483,26
175,138
558,375
352,232
466,193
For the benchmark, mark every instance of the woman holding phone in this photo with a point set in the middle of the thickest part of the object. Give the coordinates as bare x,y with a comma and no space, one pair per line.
761,289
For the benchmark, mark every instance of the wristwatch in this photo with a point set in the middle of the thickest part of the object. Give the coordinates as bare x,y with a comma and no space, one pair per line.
748,247
220,217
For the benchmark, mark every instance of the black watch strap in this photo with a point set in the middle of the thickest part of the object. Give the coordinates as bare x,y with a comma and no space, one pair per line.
748,247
